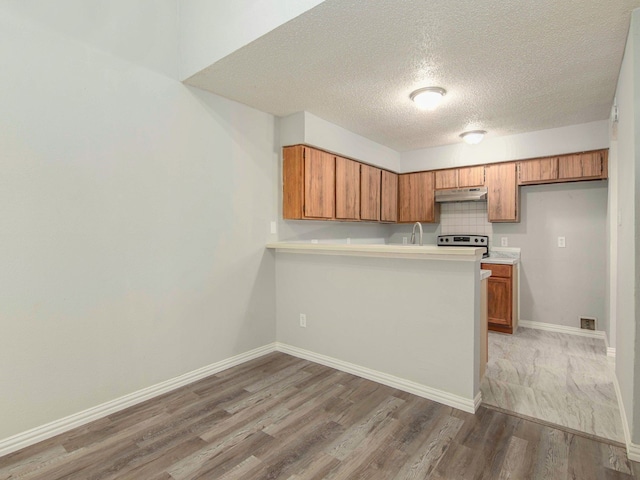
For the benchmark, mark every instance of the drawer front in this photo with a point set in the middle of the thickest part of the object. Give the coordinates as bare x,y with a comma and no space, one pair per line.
504,271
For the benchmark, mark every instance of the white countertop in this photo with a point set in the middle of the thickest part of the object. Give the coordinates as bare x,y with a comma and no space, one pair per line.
503,255
426,252
501,260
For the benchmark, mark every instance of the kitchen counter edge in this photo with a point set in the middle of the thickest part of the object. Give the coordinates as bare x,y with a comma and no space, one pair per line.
416,252
501,260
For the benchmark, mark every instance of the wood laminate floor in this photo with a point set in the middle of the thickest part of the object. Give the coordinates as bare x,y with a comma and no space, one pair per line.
279,417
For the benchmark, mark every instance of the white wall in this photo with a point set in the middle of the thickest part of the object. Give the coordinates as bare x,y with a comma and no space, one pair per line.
612,240
135,211
574,138
628,195
417,320
559,285
306,128
211,30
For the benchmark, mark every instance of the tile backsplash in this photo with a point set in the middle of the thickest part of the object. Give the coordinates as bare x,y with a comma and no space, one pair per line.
465,217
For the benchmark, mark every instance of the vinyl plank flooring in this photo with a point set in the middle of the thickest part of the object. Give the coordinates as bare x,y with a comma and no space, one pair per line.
559,378
512,466
279,417
427,454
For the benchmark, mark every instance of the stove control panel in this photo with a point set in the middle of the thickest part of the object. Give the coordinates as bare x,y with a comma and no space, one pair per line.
463,240
481,241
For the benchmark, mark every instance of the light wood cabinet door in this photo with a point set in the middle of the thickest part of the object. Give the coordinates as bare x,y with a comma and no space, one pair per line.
592,164
501,297
370,179
389,197
539,170
499,301
471,177
319,184
446,179
308,183
460,177
570,166
416,199
347,189
588,165
293,182
502,193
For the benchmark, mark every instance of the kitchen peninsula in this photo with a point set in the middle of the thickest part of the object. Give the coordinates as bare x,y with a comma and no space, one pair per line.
406,316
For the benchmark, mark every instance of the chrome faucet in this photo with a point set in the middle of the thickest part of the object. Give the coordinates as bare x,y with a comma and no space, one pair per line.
413,232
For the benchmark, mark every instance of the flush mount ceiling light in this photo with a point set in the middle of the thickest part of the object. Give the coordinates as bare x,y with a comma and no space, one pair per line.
473,137
428,98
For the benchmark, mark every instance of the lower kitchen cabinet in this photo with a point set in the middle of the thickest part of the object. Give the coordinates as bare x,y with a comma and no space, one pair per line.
502,297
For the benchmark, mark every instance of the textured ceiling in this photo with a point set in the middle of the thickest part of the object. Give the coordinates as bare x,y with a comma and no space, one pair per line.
508,66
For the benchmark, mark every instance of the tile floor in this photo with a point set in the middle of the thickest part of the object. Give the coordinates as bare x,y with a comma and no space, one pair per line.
559,378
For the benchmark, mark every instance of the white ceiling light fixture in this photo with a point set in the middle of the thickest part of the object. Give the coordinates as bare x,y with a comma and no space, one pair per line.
473,137
428,98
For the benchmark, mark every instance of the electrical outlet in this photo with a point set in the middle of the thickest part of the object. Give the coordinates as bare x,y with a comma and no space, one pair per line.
348,240
303,320
561,242
314,241
504,241
274,227
405,240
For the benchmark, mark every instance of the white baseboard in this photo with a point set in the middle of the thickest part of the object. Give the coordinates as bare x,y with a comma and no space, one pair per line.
633,449
44,432
550,327
477,402
38,434
440,396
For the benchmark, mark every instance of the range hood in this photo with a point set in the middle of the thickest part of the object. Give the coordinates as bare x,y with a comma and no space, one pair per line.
476,194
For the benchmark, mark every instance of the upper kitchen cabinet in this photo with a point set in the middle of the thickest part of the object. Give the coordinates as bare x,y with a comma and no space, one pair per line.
389,197
565,168
309,180
416,198
446,179
583,166
471,177
502,192
460,177
539,170
370,184
347,177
